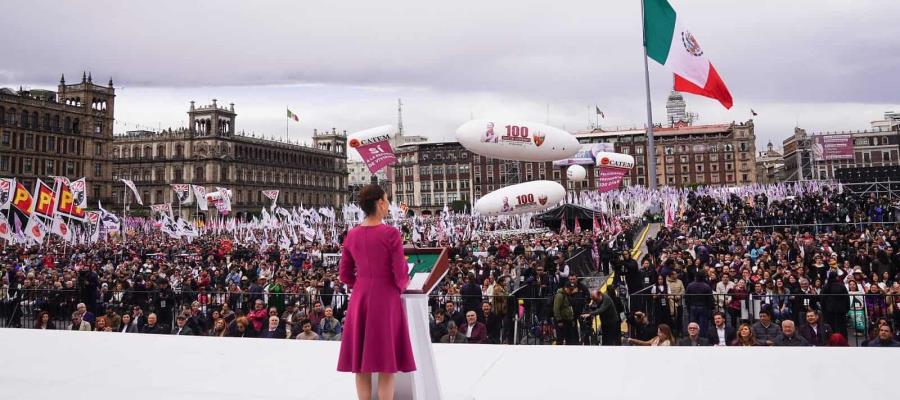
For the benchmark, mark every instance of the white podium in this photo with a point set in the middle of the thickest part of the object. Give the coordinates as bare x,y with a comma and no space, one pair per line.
423,383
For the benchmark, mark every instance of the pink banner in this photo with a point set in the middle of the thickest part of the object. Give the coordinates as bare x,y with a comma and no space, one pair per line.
609,178
833,147
376,154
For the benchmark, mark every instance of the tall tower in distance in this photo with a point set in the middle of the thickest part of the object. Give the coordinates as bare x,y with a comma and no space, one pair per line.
95,100
675,108
399,117
334,141
676,111
211,120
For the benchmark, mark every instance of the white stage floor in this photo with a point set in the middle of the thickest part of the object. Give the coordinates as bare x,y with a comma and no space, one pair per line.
44,365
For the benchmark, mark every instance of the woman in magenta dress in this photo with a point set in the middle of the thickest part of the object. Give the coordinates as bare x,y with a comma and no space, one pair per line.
376,335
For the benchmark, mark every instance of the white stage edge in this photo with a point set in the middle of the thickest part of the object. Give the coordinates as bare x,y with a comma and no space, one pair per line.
46,365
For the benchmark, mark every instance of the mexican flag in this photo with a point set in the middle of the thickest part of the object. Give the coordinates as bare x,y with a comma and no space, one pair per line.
671,44
292,116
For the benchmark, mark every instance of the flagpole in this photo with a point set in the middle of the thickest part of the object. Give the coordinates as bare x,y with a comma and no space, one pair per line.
124,227
287,122
651,148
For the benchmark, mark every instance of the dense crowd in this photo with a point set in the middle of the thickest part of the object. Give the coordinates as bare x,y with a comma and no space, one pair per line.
148,282
812,266
819,268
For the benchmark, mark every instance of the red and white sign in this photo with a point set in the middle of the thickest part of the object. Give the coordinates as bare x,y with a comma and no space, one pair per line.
44,199
5,230
35,229
66,203
609,178
61,229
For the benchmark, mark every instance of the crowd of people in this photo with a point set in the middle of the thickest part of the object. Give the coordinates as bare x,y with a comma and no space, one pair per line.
807,267
817,268
147,282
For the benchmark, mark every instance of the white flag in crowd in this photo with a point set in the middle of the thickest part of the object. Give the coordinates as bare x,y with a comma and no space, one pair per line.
5,230
7,188
79,193
130,184
182,192
161,208
271,195
200,195
62,229
36,229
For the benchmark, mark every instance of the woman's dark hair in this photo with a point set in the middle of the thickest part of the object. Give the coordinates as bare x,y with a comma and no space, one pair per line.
368,198
39,320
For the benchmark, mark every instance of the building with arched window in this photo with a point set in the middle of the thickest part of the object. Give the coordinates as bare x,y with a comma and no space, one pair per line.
210,152
66,132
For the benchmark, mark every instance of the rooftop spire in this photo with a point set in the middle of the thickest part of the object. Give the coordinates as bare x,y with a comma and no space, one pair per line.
90,80
110,82
83,76
62,79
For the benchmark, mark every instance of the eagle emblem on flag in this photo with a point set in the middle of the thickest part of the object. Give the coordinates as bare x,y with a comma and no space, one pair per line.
690,44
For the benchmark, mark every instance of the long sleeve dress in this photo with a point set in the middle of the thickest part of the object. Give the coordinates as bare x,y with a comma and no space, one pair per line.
376,334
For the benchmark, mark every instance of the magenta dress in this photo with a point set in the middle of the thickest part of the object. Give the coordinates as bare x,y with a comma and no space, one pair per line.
376,335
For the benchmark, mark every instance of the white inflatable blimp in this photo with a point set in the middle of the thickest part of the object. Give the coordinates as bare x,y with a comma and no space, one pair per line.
516,140
521,198
615,160
576,173
376,134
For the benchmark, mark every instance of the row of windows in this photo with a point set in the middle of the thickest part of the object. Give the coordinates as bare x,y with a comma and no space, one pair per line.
50,123
701,179
200,175
280,157
437,186
286,199
448,155
698,148
269,156
874,141
670,169
427,170
43,167
145,151
45,144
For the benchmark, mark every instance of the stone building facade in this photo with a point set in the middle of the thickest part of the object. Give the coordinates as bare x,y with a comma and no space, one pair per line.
431,174
872,149
686,155
68,132
212,153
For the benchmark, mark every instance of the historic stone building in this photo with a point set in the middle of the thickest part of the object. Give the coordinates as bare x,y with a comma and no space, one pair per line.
432,174
769,165
686,155
68,132
210,152
867,155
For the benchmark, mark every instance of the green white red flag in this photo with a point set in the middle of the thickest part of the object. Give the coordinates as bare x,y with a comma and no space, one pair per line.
670,43
292,116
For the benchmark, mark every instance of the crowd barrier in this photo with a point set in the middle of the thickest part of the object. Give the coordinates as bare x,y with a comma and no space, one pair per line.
856,316
526,316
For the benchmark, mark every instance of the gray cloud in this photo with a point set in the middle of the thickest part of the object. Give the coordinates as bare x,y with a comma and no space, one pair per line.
809,57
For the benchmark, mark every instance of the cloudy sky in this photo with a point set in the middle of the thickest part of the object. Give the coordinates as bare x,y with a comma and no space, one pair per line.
822,64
